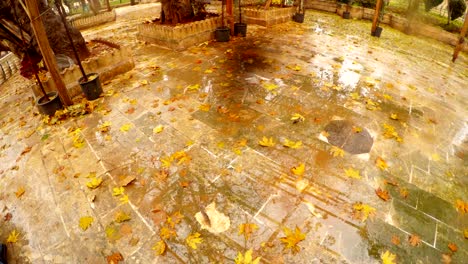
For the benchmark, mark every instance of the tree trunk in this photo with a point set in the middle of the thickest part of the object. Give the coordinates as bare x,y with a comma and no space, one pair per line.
95,6
176,11
9,32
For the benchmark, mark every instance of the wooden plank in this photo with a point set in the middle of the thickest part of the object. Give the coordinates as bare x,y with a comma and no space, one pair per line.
47,53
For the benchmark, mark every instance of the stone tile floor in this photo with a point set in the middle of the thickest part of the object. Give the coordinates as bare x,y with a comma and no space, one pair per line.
184,133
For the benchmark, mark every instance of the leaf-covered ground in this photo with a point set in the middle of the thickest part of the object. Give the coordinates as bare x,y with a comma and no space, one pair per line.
219,154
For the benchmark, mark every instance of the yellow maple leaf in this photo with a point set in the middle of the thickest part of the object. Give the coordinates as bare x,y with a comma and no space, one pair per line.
193,240
298,170
246,258
13,237
105,127
270,86
294,67
193,87
297,118
20,192
247,229
204,107
118,191
352,173
158,129
291,239
355,96
144,82
380,163
167,233
266,142
390,132
166,162
337,152
292,144
388,258
125,127
78,141
363,211
124,199
160,247
94,183
394,116
121,217
207,71
85,222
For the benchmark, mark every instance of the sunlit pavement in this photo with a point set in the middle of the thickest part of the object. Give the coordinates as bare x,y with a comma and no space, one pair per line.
242,125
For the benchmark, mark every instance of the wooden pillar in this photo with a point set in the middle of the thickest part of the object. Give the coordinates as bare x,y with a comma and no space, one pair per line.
461,40
47,53
230,14
378,6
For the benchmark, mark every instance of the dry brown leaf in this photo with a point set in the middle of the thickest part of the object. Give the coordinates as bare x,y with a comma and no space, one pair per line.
404,193
461,206
8,217
382,194
446,259
115,258
414,240
20,192
396,240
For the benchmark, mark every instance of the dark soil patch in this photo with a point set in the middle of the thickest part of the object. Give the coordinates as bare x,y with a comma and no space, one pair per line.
199,17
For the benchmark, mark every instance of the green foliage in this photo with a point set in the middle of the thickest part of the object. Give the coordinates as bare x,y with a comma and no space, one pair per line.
429,4
456,8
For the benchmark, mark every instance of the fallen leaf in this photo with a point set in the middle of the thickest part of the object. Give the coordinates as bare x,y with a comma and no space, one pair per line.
266,142
298,170
465,232
461,206
124,199
144,82
388,258
125,127
302,184
205,107
158,129
193,87
160,247
297,118
452,247
114,258
357,129
363,211
218,223
270,86
247,229
105,127
7,217
118,191
94,183
13,237
352,173
121,217
396,240
292,144
85,222
246,258
337,152
20,191
130,110
414,240
390,132
167,232
380,163
403,192
127,180
193,240
382,194
291,239
446,259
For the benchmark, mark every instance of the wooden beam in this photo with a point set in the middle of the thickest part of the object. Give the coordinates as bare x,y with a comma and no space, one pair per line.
378,7
461,40
47,53
230,14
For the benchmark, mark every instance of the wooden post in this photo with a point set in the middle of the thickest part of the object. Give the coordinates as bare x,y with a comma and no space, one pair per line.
461,40
108,6
230,14
378,6
47,53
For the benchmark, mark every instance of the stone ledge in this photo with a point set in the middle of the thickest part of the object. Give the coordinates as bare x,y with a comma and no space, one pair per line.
92,21
8,66
269,17
394,21
179,37
108,65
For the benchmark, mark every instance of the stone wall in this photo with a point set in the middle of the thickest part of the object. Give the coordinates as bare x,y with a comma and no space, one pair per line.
108,65
395,21
91,21
269,17
179,37
9,64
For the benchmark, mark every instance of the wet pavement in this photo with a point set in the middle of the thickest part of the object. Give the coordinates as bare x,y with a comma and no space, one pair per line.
228,141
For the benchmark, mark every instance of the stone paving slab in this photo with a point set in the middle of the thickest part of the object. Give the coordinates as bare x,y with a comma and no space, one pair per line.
214,103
